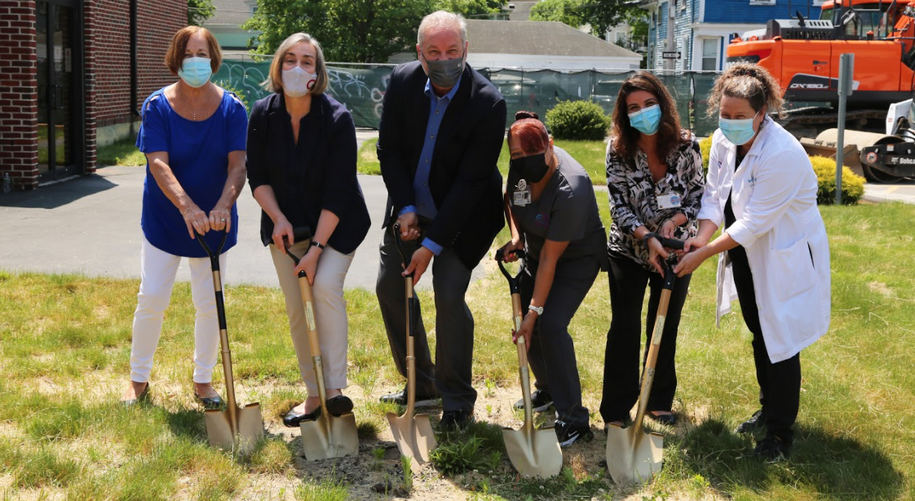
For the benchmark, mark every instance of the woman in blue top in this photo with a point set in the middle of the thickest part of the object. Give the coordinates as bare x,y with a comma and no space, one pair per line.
302,171
193,135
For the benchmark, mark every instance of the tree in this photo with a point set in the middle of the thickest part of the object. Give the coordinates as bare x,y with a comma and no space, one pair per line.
563,11
366,31
601,15
199,11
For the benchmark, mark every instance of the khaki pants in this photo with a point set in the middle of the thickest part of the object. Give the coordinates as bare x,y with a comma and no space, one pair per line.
330,313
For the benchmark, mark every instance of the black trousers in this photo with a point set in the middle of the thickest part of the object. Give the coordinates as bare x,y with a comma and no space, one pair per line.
779,383
450,375
628,280
552,351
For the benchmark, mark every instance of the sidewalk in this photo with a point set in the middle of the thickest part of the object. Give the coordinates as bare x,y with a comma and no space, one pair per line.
903,192
91,225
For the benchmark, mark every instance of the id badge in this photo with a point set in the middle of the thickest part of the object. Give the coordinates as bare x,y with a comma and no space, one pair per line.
669,201
521,198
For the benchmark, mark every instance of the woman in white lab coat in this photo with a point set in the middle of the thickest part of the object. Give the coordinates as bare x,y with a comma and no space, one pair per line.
773,248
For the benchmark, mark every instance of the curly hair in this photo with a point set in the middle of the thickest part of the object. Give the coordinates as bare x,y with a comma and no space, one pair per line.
625,136
747,81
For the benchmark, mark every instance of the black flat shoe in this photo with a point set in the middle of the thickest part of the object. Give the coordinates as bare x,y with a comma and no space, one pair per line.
210,403
339,405
142,397
293,418
665,419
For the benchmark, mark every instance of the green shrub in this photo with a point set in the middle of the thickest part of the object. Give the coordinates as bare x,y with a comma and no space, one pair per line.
825,169
240,94
577,120
705,148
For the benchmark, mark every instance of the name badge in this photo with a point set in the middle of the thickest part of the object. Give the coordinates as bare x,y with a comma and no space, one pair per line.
669,201
521,198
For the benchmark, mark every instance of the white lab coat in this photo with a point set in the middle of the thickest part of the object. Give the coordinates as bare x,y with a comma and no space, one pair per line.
779,226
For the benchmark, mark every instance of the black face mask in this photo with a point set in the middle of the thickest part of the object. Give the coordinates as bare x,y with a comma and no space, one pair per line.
530,168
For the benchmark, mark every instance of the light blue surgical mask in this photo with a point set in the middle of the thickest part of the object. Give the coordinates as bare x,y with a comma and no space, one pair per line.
737,130
646,120
195,71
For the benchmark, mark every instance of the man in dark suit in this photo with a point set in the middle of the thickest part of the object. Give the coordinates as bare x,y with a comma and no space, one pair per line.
441,132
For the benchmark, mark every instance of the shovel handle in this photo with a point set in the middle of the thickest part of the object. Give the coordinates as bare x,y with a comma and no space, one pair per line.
523,370
651,360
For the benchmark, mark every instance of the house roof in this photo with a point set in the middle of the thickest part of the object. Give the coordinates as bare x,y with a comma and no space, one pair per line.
538,37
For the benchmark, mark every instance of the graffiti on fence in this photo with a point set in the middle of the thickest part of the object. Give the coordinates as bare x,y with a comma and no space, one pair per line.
361,88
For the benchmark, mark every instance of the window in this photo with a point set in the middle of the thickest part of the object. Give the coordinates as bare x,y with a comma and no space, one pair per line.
710,53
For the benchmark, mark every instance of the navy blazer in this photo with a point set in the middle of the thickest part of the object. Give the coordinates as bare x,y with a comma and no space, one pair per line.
464,179
317,173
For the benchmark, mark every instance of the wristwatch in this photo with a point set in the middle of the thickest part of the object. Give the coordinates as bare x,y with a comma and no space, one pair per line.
538,309
315,243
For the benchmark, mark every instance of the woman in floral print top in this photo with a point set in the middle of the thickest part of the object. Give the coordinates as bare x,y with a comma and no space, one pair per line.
655,184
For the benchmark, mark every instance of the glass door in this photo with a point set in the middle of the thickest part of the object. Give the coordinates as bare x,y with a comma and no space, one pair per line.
60,145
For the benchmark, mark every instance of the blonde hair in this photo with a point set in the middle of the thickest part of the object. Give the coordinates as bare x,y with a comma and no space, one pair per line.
274,81
442,19
747,81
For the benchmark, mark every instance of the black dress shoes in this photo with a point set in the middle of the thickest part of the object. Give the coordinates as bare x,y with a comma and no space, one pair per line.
665,419
210,403
336,406
339,405
756,423
293,418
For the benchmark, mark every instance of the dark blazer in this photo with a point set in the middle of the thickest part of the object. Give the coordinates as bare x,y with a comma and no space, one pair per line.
317,173
464,180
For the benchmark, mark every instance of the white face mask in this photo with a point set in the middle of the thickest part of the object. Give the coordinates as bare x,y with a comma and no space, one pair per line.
298,82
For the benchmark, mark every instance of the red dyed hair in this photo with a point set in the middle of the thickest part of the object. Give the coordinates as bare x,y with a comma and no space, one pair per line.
530,133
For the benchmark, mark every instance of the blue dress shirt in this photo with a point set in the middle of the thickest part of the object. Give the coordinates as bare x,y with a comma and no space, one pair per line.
425,204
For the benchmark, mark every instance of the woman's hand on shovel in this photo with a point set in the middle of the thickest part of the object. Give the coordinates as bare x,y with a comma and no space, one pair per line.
309,263
527,329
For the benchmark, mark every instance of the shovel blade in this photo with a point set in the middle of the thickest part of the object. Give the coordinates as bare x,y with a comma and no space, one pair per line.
250,428
633,457
219,429
330,437
534,454
414,437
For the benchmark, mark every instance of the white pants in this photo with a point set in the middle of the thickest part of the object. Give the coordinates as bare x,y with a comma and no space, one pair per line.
157,276
330,313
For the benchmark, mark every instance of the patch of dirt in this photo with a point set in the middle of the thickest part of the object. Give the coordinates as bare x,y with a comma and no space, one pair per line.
880,288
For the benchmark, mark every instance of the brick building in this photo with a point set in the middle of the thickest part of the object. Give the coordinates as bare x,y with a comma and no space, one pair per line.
73,74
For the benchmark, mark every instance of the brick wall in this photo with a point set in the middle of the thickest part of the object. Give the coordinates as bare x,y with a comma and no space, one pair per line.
106,66
108,58
18,93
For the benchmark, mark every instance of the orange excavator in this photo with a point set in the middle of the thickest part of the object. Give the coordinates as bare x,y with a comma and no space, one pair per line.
803,55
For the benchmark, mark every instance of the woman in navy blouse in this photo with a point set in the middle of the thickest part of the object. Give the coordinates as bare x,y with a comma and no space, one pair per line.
193,135
302,170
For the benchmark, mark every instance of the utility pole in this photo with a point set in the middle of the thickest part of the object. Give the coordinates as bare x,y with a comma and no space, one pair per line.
670,62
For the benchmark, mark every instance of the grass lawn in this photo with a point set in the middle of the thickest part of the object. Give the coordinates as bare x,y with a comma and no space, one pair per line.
589,153
123,152
65,343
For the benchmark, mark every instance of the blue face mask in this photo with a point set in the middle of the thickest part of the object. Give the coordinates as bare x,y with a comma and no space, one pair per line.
646,120
738,131
195,71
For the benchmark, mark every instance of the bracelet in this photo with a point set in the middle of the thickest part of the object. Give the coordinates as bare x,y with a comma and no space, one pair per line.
315,243
537,309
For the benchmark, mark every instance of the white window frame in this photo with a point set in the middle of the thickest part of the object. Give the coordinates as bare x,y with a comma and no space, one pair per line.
717,41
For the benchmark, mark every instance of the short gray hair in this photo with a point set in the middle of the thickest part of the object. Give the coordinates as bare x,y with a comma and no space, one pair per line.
442,19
